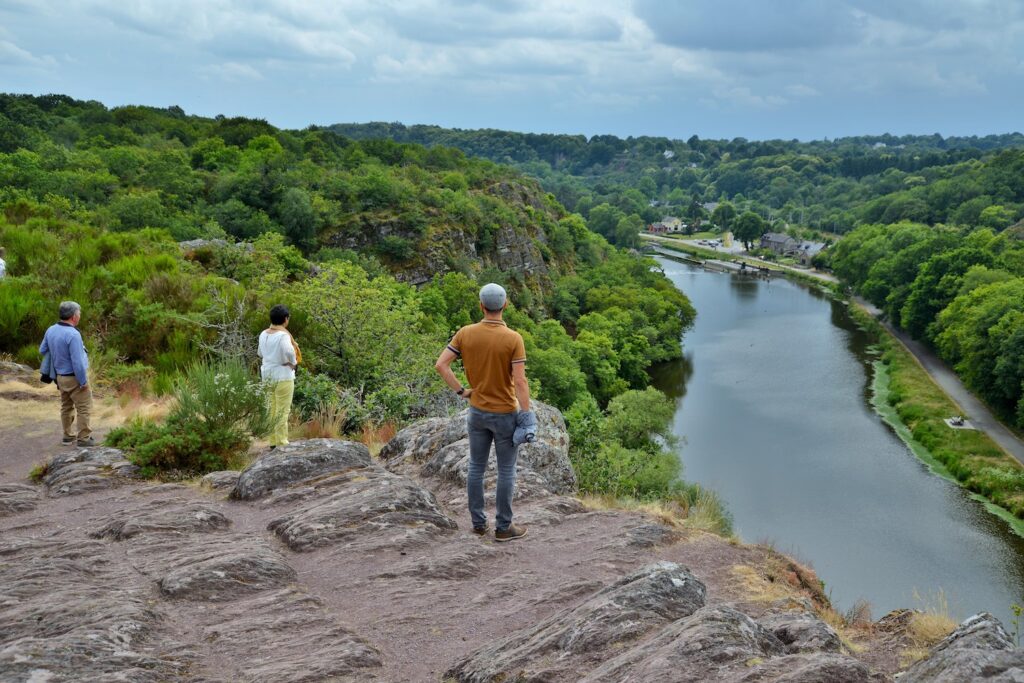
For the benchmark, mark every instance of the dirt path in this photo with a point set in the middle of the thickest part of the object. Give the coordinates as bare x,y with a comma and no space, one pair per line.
970,406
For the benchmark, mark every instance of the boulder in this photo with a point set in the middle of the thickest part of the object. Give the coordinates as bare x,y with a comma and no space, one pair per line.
439,447
296,463
359,505
18,372
802,631
177,516
588,633
978,650
80,470
15,498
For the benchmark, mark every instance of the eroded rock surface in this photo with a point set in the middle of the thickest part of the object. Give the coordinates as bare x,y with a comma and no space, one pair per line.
81,470
978,650
69,613
15,498
369,505
802,631
219,481
177,516
440,448
296,463
620,613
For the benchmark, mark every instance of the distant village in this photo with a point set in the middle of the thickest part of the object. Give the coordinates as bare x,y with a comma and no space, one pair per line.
779,243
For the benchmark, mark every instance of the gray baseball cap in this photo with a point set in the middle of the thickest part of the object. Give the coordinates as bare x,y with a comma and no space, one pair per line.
493,297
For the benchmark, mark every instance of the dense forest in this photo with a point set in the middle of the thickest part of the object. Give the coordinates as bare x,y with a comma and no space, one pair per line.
176,233
829,186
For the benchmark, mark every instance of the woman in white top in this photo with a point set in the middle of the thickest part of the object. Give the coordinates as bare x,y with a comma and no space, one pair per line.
280,356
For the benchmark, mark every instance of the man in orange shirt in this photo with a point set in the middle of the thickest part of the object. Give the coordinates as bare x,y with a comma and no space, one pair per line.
495,362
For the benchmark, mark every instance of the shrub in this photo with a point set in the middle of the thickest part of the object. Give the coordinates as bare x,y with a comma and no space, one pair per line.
218,410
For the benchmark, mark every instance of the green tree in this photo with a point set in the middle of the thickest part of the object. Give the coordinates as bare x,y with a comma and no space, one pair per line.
749,228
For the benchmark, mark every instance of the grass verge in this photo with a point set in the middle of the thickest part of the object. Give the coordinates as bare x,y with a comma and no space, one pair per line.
702,512
916,408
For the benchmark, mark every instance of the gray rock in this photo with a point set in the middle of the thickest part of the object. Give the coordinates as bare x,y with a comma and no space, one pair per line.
284,636
615,616
450,562
71,614
818,667
802,631
15,498
978,650
296,463
366,502
88,469
177,516
441,446
704,646
205,568
18,371
652,535
217,481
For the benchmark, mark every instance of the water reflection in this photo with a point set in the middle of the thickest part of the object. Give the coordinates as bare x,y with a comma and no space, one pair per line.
773,402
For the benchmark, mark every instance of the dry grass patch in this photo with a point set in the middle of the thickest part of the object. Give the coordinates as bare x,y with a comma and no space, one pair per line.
703,515
927,626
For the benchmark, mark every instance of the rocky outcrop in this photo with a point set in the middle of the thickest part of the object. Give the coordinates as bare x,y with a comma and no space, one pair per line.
978,650
296,463
615,616
165,516
220,481
801,631
15,498
71,614
368,505
88,469
440,448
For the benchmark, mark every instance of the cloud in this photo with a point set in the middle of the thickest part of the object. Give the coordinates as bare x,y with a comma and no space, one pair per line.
12,55
231,72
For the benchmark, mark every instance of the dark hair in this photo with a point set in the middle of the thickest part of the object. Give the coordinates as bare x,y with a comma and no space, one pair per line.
278,314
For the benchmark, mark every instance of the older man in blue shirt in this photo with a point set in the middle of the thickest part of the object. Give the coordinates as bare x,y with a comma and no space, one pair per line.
70,364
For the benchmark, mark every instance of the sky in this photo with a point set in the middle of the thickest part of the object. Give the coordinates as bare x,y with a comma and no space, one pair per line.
759,69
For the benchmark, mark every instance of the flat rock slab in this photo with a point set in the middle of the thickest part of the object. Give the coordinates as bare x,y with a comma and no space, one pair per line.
818,667
452,562
15,498
298,462
81,470
282,636
219,568
706,646
978,650
71,614
578,638
176,516
365,503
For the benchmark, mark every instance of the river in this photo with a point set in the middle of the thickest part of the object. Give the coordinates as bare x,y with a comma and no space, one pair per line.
773,397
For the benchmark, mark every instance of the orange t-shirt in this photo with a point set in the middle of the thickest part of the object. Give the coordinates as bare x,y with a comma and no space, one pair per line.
488,349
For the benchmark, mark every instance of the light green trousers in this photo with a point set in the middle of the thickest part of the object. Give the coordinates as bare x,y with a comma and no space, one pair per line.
280,405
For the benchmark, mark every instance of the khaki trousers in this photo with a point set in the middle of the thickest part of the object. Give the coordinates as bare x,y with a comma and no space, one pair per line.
280,405
74,398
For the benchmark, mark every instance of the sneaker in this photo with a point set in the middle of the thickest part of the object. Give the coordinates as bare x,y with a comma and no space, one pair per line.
67,440
510,534
481,530
86,443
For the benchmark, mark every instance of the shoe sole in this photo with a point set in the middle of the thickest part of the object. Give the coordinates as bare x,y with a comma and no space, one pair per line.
510,538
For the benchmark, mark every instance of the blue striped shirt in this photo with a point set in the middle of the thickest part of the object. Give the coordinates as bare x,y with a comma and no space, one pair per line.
67,352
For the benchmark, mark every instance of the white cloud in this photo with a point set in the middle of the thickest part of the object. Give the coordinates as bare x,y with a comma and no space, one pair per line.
12,55
231,72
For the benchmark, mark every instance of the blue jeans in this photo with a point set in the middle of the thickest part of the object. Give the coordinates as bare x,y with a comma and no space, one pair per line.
485,427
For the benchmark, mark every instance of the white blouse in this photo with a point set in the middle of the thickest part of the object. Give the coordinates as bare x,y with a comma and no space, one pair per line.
275,348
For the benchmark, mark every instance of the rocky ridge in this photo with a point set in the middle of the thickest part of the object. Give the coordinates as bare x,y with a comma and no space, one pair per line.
320,562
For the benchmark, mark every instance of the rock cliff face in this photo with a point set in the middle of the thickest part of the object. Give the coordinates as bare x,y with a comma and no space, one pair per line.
320,562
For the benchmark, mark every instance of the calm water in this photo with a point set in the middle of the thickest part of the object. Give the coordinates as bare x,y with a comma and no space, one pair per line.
773,398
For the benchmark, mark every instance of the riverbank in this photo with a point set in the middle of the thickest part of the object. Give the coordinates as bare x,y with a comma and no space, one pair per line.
809,277
908,398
